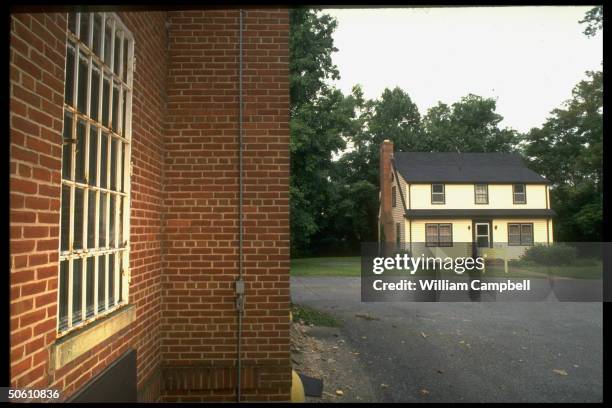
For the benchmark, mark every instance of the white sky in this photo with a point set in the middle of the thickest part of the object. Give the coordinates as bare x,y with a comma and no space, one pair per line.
529,58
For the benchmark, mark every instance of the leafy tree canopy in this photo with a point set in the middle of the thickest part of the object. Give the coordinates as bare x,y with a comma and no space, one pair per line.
594,21
568,150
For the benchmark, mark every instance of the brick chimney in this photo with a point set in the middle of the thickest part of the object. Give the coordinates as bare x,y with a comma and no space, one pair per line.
386,215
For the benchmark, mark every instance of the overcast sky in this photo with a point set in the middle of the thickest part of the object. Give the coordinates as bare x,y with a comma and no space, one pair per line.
528,58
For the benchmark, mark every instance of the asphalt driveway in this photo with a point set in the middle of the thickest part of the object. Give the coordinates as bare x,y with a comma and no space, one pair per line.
467,352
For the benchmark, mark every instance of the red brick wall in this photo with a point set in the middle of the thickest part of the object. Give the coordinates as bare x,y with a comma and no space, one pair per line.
184,231
37,59
201,202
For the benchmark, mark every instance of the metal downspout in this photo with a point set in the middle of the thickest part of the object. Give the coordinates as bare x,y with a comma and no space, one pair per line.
240,281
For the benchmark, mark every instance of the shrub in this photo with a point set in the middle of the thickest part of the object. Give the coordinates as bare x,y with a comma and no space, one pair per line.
557,254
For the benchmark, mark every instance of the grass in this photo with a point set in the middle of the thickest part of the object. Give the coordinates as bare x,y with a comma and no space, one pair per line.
312,316
327,266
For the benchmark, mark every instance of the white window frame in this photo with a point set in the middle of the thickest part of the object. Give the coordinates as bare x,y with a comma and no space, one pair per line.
521,241
480,195
516,194
438,197
122,136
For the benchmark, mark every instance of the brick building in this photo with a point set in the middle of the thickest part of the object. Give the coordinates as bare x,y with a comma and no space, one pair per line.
125,202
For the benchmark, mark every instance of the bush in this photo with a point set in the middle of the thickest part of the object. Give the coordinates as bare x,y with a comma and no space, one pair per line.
557,254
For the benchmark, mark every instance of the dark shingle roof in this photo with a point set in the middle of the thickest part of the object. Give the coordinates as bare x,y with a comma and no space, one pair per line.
428,167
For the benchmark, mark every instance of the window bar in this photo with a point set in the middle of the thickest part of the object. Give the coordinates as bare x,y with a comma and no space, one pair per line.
73,155
87,178
99,149
98,192
95,294
116,279
83,288
89,42
127,170
93,187
91,36
89,74
123,277
102,35
78,25
112,78
84,271
116,276
70,282
121,91
117,203
106,281
109,161
108,195
76,62
72,189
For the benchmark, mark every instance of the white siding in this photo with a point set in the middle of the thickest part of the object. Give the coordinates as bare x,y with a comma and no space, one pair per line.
461,196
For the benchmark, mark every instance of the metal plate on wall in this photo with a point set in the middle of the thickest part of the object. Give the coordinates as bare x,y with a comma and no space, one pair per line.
117,383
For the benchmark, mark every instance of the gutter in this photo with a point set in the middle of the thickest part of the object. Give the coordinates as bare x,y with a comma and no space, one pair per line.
489,212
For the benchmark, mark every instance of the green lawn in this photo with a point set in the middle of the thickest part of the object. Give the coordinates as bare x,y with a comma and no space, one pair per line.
327,266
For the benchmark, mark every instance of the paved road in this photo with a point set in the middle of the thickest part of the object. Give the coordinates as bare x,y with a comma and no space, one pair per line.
467,352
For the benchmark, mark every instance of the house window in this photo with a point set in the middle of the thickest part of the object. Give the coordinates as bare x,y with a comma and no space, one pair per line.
481,193
438,235
393,196
437,193
520,234
398,233
95,169
519,194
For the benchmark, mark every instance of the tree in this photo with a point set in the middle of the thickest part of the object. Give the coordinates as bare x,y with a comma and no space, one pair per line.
310,48
393,116
594,21
568,150
469,125
319,116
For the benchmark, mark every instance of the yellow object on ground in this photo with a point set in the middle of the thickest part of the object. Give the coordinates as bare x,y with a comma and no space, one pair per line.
297,388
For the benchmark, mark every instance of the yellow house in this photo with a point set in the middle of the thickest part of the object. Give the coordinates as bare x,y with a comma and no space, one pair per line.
489,204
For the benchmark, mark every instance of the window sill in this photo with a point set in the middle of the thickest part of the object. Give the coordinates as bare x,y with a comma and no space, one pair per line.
73,345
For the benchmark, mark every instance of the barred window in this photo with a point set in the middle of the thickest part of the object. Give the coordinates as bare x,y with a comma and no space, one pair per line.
94,239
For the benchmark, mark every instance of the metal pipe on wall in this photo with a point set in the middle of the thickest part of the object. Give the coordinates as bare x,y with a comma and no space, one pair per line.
240,282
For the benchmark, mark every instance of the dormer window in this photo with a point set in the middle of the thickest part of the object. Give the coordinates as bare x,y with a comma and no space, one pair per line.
519,194
437,194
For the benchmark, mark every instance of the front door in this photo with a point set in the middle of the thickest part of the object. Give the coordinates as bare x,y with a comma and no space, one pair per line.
482,234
